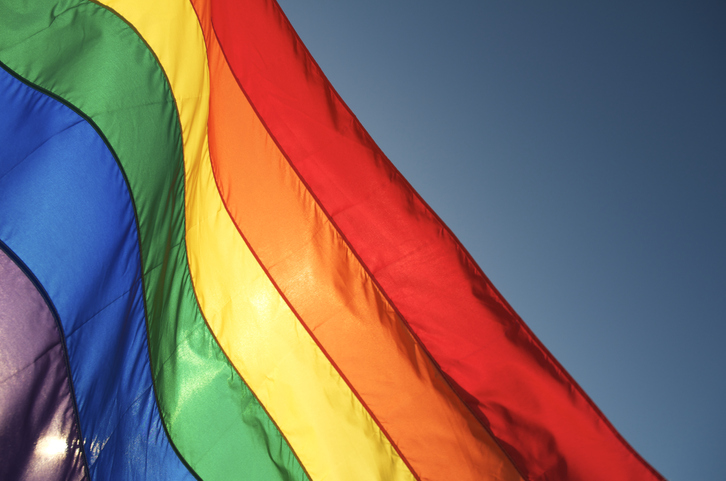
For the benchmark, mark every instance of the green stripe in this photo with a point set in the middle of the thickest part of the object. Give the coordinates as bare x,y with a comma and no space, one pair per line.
84,54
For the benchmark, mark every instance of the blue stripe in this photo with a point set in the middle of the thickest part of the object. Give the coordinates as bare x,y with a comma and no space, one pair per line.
66,211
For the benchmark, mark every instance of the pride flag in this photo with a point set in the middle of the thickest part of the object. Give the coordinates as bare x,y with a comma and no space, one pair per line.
208,270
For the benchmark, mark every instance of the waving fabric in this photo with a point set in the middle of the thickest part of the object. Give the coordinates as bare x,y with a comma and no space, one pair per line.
233,282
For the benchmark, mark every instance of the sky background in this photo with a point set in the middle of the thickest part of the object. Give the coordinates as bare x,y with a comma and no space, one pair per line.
578,151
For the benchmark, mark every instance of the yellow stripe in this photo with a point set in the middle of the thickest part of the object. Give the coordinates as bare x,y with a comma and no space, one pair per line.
331,432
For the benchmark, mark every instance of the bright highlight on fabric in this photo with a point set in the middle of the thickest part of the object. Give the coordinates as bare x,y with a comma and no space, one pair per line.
51,446
236,282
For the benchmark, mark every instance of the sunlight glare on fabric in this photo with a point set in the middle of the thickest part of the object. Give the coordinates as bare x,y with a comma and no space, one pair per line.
52,446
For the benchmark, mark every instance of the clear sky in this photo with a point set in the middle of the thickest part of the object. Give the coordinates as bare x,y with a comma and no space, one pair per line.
578,150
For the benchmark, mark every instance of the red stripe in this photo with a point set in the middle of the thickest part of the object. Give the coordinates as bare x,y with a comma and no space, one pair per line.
539,415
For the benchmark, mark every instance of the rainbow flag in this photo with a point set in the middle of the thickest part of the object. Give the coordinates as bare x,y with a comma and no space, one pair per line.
208,270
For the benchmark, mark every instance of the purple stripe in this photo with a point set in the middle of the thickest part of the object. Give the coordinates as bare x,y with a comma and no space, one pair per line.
39,436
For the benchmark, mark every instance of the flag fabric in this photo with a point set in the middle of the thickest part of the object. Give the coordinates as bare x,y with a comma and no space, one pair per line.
209,270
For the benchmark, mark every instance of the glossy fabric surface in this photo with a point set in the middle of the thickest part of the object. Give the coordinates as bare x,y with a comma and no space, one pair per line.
39,432
65,203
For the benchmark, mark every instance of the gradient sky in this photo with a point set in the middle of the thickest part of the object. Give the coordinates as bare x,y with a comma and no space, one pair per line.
578,150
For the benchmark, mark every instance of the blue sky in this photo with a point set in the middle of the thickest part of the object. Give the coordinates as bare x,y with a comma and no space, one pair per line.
578,150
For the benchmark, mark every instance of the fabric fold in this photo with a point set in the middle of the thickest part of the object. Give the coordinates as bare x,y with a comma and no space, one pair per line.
328,428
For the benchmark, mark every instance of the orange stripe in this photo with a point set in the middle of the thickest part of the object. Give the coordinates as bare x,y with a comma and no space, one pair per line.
314,268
